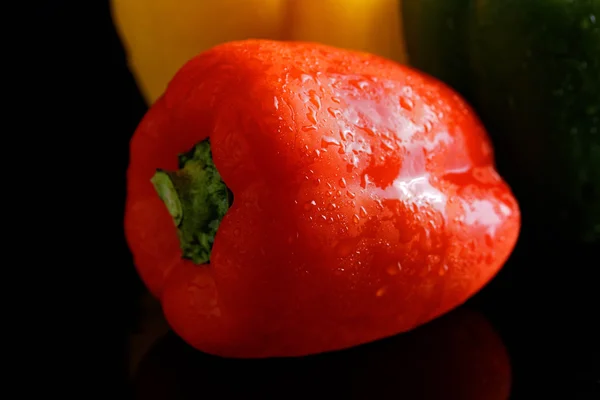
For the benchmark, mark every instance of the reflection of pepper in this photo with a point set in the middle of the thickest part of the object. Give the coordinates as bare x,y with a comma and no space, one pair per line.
352,198
457,357
161,35
532,70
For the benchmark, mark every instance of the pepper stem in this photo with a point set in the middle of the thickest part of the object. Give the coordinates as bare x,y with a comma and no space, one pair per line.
197,199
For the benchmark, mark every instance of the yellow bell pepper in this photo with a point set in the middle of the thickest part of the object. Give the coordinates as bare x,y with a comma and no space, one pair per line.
161,35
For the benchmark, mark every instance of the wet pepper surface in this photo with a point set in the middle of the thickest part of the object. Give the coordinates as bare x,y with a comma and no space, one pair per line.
362,200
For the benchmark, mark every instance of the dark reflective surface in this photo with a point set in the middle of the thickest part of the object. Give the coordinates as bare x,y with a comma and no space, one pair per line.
458,356
531,333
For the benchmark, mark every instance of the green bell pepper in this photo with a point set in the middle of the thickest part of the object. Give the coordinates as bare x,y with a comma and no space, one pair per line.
531,69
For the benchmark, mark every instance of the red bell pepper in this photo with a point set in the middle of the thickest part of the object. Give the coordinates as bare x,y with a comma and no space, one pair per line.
293,198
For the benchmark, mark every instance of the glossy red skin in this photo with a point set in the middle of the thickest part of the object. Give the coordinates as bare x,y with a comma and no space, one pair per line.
366,200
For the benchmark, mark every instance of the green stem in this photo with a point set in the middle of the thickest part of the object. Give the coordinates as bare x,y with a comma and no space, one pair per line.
197,199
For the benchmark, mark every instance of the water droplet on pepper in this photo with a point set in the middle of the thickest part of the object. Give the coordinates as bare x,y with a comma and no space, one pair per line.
406,103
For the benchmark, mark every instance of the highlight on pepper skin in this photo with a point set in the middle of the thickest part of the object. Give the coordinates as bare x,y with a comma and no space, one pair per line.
290,198
457,357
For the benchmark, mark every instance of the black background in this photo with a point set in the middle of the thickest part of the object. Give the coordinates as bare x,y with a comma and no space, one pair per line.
543,305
